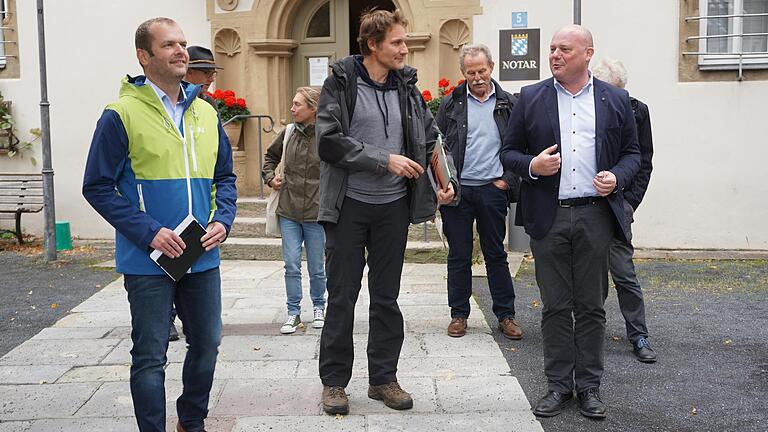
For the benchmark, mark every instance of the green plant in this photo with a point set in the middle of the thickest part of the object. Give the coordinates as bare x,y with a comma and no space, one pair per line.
229,105
444,88
9,141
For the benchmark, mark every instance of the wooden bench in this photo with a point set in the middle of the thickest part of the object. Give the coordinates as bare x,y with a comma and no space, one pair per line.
20,193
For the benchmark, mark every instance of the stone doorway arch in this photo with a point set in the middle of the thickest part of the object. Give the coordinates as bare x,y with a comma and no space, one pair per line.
253,40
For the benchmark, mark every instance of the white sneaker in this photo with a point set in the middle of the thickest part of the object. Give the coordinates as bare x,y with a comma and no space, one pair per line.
319,320
290,326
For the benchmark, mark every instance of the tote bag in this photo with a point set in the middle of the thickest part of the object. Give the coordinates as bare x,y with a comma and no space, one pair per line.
273,226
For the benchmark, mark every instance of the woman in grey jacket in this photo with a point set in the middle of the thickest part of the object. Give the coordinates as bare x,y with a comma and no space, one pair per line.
298,206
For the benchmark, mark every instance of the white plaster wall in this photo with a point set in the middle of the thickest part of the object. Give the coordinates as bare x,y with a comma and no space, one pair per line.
708,185
89,49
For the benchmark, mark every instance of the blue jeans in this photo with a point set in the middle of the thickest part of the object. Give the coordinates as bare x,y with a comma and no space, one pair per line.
487,205
198,302
313,236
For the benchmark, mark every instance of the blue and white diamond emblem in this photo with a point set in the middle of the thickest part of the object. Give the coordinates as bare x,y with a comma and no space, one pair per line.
519,44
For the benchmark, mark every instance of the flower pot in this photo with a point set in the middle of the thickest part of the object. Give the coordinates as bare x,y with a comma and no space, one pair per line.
233,131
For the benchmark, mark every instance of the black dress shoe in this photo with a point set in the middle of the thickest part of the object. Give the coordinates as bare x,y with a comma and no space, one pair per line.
643,351
590,404
552,404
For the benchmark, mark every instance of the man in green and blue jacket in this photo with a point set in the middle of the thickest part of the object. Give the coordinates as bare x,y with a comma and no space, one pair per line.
159,155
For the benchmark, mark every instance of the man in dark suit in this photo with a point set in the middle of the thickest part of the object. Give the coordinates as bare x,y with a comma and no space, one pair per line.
572,139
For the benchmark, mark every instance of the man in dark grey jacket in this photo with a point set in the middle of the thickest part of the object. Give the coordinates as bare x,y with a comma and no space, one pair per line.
474,117
620,262
374,136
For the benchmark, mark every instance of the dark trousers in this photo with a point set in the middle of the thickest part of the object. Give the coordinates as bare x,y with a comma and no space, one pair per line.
572,274
198,300
628,289
382,231
488,205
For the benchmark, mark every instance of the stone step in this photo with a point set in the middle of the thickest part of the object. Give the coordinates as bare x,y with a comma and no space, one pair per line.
251,207
270,249
253,227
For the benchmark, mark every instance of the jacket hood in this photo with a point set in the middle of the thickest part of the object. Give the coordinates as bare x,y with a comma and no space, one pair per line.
346,68
136,87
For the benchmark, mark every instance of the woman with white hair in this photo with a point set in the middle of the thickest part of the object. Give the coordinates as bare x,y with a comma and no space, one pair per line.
620,262
298,206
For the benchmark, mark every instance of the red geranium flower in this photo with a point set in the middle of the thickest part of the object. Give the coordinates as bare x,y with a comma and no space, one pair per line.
443,83
218,94
427,95
450,90
230,101
241,102
229,93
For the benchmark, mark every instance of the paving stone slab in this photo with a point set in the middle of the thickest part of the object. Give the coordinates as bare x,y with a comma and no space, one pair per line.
120,424
412,346
177,350
252,316
97,374
440,326
115,398
27,402
96,319
436,367
477,394
255,369
60,352
123,332
234,348
22,426
274,397
213,424
425,312
471,345
117,302
486,422
73,333
41,374
325,423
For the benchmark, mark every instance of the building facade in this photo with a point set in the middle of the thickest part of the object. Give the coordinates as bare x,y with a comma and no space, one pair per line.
707,110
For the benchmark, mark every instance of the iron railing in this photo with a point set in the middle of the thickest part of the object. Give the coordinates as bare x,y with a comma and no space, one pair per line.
740,54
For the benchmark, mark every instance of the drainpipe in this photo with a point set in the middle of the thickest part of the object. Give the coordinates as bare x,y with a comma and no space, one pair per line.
577,12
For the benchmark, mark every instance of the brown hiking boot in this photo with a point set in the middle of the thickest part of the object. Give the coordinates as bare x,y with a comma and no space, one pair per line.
510,329
392,395
457,327
335,400
180,428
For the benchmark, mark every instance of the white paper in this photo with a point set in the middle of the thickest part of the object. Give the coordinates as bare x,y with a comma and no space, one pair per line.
318,70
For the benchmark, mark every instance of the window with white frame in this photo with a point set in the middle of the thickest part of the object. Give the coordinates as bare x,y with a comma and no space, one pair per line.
733,34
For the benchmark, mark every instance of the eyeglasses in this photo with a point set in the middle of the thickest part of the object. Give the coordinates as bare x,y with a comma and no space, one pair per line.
208,72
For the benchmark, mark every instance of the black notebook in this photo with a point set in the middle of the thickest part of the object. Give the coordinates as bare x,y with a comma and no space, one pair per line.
191,232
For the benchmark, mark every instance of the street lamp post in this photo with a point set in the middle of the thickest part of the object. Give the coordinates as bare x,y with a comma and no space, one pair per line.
49,211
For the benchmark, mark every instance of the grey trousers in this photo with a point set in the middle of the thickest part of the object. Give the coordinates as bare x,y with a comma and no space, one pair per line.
572,274
628,289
